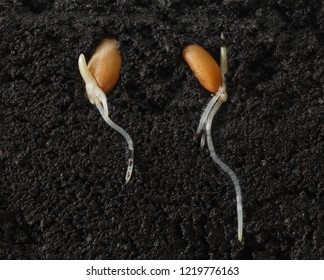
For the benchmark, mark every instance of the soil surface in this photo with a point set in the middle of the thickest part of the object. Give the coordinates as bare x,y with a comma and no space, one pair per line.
62,168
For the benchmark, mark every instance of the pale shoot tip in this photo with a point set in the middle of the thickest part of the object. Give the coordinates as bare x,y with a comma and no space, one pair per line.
95,94
224,61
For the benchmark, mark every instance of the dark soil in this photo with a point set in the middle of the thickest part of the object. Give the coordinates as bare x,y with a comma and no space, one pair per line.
62,168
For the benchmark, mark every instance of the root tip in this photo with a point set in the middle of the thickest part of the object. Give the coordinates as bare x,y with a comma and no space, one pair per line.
128,176
240,236
129,170
202,141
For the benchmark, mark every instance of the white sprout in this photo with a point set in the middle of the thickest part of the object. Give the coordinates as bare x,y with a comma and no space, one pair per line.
98,98
204,126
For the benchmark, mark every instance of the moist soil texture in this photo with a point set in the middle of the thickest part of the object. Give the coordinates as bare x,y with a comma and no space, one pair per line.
62,168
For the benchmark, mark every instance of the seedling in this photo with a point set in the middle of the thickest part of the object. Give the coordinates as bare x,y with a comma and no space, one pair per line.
101,76
212,77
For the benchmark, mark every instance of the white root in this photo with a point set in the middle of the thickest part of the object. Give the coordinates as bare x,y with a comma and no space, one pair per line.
127,138
226,169
206,112
215,105
98,97
203,140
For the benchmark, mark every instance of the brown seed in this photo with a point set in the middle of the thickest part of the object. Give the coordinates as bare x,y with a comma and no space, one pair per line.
105,64
204,67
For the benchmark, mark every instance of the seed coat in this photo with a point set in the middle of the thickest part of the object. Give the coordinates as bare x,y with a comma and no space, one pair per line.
204,67
105,64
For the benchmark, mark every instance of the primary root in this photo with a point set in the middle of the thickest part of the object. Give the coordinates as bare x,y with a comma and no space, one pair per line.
226,169
128,139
